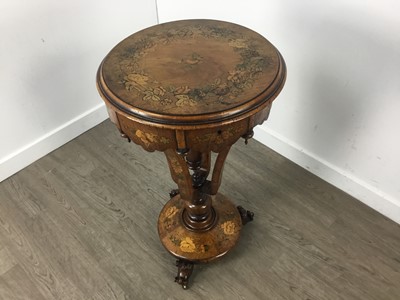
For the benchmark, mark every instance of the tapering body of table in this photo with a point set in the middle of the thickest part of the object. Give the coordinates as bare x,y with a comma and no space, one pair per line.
190,88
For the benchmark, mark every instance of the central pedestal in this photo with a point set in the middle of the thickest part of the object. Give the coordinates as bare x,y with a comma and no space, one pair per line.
203,246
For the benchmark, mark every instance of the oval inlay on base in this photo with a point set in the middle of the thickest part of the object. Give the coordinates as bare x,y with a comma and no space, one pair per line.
199,247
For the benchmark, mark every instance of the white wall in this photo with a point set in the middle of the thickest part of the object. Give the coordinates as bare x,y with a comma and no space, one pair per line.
49,54
338,115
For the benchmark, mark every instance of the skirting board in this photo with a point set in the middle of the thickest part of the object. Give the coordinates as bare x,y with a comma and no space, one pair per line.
376,199
369,195
26,155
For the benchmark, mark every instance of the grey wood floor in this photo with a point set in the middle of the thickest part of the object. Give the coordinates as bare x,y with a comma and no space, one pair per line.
80,223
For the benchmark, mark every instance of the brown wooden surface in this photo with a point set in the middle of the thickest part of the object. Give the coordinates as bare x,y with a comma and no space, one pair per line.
80,224
183,69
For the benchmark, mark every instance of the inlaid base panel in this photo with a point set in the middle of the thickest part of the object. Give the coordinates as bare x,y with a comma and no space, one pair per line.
199,247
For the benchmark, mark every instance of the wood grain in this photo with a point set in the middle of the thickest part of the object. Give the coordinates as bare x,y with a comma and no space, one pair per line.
80,223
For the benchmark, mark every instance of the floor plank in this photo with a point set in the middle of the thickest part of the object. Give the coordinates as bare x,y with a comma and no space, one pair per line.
80,223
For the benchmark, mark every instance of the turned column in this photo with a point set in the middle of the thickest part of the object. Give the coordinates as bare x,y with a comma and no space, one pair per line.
198,213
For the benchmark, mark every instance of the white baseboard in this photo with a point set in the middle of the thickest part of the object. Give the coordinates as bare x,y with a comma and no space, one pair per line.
26,155
378,200
359,189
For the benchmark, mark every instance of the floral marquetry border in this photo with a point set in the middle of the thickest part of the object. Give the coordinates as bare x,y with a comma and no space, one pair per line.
231,85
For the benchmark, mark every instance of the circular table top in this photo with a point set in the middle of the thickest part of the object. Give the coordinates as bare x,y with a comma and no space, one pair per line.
191,71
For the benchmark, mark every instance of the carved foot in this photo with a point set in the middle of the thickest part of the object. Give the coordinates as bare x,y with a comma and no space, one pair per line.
185,269
123,135
173,193
246,215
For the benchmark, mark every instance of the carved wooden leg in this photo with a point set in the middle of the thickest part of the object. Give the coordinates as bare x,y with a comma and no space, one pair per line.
206,162
185,269
180,173
218,169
